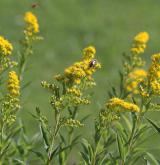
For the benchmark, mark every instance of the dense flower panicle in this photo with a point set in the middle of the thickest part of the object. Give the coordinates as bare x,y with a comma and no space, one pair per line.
121,104
82,69
74,91
32,24
13,84
5,47
139,44
133,80
154,74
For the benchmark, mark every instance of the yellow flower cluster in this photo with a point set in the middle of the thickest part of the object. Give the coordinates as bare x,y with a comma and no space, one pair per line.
134,78
121,104
139,44
154,73
73,123
89,52
75,100
32,24
13,84
5,47
107,117
74,91
83,69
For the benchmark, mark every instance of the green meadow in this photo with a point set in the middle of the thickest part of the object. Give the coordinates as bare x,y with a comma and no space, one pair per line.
68,26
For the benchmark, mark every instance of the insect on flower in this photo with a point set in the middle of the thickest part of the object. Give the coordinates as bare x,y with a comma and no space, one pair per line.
34,5
92,63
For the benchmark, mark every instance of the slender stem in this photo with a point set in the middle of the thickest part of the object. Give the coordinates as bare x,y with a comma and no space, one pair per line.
1,137
137,125
56,130
96,150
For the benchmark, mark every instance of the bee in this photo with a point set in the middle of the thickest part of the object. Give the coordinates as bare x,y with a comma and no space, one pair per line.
93,63
34,5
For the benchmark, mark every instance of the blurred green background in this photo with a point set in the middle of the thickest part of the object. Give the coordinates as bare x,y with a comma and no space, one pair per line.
67,27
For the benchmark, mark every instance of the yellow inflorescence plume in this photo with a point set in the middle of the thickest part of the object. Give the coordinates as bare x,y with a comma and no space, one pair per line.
139,44
121,104
32,24
5,47
13,84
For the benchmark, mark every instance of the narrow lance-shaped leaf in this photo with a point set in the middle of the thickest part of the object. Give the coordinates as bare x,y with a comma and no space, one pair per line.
45,138
120,146
39,155
154,125
151,159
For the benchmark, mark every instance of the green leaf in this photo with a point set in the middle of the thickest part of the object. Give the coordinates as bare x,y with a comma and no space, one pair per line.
151,159
45,138
14,132
39,155
85,158
62,158
55,151
114,91
124,133
19,162
74,141
4,150
136,155
120,146
85,147
128,123
63,139
154,125
26,85
85,118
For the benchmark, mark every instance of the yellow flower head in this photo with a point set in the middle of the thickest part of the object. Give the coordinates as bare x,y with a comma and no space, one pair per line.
5,47
121,104
154,73
82,69
142,37
140,41
13,84
134,78
74,91
89,52
32,23
155,85
156,58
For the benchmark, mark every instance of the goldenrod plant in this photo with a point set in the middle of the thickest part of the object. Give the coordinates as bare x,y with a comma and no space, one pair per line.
122,127
68,94
14,144
9,104
31,35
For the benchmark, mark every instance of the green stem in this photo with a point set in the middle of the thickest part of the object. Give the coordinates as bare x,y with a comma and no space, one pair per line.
96,150
56,130
23,60
137,125
1,138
